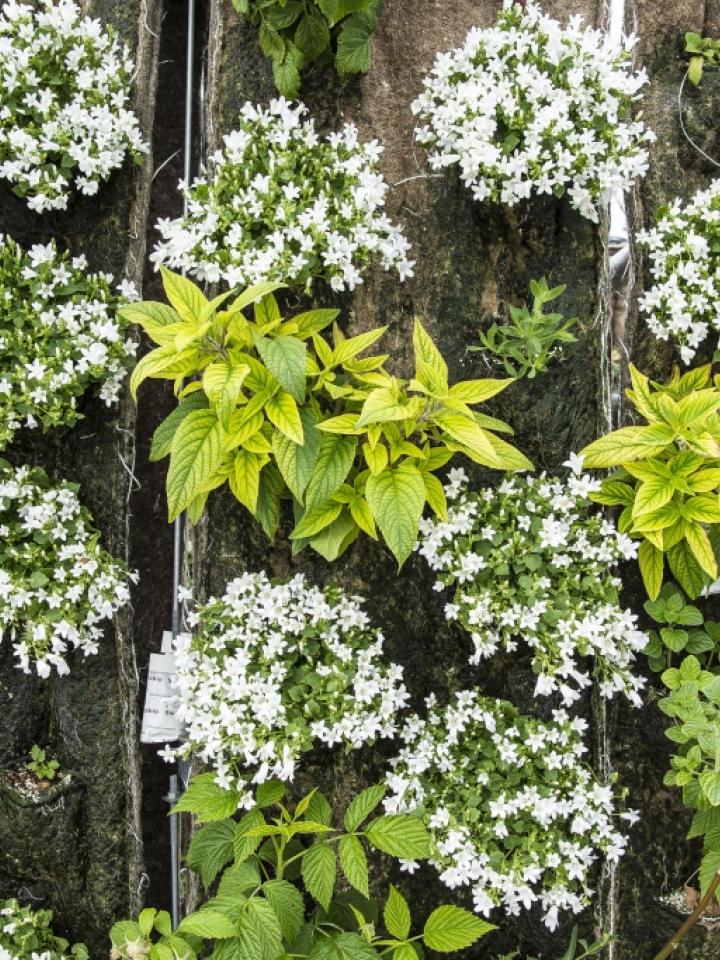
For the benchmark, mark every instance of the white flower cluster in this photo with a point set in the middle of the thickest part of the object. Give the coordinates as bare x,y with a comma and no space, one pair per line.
64,87
514,812
529,106
274,668
57,584
530,563
26,934
684,251
283,203
59,333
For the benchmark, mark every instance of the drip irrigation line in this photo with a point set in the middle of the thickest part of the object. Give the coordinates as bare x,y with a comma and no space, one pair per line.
178,781
683,128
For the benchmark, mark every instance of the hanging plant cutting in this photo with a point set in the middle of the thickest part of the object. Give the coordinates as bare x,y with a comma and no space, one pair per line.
60,333
283,203
277,410
64,120
295,33
530,107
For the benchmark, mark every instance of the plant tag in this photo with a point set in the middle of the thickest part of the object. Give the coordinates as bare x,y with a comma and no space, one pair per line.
160,723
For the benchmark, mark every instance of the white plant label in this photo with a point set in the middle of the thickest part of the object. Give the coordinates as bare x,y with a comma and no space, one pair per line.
160,723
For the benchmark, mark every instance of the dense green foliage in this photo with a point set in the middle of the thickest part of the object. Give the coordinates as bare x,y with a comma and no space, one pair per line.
704,52
276,410
294,33
526,345
274,880
42,766
25,934
668,477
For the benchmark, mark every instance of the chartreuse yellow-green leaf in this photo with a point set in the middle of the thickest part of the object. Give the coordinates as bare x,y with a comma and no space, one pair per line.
396,497
450,928
628,443
184,296
196,453
283,412
430,369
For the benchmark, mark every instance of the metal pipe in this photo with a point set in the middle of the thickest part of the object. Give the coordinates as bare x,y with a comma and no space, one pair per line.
176,786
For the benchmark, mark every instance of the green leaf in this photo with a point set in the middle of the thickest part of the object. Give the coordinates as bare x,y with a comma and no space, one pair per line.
710,786
627,444
146,921
353,863
222,382
287,78
362,806
709,867
184,295
286,359
651,495
268,505
397,915
245,846
266,924
477,391
270,793
241,877
211,849
651,561
336,10
271,43
316,519
353,47
312,35
351,347
282,411
400,835
397,498
451,928
430,368
163,436
163,923
699,543
319,809
334,540
319,871
383,405
197,452
245,477
334,460
296,461
287,902
207,800
208,924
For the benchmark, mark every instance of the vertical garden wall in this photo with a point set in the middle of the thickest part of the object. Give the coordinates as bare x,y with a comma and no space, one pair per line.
80,852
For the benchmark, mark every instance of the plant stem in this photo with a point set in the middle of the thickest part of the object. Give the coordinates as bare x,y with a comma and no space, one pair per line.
674,942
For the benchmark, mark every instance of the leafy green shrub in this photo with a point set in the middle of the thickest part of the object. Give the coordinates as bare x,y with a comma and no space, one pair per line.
275,411
693,702
275,876
294,33
575,945
669,477
527,344
704,52
25,934
40,765
672,610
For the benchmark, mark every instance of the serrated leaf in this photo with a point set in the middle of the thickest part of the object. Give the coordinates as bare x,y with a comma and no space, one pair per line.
319,809
430,368
699,543
333,463
211,849
208,924
287,902
296,461
477,391
268,505
312,35
282,411
451,928
245,477
163,436
316,519
267,926
383,405
353,863
400,835
397,915
651,561
286,359
270,793
354,47
397,498
319,871
709,867
627,444
207,800
287,78
146,921
184,295
197,452
362,806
